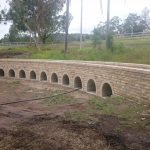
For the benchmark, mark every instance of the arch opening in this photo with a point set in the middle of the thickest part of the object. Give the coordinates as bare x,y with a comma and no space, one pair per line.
78,83
65,80
106,90
43,76
11,73
2,73
91,87
32,75
22,74
54,78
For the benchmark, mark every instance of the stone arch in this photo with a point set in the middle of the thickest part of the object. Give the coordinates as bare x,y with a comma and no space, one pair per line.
43,76
54,78
77,82
91,86
22,74
32,75
106,90
2,73
65,80
11,73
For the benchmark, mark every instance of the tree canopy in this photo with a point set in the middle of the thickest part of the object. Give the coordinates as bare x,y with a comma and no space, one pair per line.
134,23
40,18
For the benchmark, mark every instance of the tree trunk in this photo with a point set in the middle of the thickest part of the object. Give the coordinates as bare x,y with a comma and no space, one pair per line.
37,41
36,38
67,26
108,22
81,24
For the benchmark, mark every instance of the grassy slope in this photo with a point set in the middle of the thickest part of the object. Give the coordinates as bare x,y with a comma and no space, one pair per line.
126,50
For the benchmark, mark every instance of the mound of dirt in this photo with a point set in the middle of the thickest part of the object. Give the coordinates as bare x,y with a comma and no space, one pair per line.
49,132
12,54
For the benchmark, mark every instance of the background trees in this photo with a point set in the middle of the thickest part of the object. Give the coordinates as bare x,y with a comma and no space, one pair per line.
134,23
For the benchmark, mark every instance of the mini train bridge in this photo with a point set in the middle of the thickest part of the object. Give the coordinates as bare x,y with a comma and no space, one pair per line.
98,78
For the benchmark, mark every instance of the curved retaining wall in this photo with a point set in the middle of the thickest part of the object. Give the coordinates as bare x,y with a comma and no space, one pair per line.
98,78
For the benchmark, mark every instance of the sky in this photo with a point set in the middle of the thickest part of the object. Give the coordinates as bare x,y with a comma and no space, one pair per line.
92,14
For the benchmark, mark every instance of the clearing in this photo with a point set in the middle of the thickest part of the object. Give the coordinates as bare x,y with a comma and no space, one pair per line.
76,121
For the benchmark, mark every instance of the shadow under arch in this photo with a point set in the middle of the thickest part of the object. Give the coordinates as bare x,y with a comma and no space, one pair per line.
11,73
106,90
43,76
32,75
54,78
2,73
91,86
22,74
65,80
77,82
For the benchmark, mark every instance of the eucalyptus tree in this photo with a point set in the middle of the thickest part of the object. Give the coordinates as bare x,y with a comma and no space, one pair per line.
108,36
81,24
67,26
108,21
38,17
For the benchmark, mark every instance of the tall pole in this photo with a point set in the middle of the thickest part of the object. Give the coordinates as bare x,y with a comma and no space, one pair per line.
108,22
81,24
67,26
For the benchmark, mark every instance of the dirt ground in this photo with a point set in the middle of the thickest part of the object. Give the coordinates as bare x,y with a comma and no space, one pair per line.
37,125
13,54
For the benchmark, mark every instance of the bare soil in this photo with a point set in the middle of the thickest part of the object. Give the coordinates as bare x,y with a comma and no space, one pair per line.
37,125
13,54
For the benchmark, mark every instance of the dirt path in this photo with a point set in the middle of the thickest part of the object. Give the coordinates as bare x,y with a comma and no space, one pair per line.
39,125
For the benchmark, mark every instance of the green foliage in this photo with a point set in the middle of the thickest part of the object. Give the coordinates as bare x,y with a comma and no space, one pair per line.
134,23
39,17
103,105
109,42
13,34
61,99
97,37
132,50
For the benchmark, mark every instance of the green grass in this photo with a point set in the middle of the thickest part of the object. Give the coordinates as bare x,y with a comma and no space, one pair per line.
61,99
129,112
125,50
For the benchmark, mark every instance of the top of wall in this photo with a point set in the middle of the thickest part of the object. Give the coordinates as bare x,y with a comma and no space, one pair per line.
113,65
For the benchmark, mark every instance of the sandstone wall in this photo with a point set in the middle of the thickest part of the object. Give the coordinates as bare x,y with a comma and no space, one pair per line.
98,78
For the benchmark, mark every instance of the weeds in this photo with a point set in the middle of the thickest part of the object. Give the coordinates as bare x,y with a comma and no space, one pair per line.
124,50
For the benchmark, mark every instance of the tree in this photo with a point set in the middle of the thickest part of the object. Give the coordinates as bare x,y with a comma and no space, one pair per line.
13,34
81,24
39,17
134,23
108,23
67,26
97,37
99,34
2,16
146,18
115,25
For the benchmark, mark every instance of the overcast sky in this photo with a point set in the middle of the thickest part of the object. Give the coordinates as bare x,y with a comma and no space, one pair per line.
92,14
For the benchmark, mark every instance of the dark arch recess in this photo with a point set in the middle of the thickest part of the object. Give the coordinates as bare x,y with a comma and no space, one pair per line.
54,78
22,74
65,80
91,87
43,76
106,90
77,83
2,74
32,75
11,73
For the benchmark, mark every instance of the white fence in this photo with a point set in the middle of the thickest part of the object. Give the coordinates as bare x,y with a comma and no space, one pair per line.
16,43
141,35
